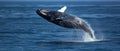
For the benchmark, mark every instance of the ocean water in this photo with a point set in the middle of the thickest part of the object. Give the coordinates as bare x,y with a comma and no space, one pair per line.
21,29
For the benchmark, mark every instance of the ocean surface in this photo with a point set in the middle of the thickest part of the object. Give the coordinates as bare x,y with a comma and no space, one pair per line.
21,29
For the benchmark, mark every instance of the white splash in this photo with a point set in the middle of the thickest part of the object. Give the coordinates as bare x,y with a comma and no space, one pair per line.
87,38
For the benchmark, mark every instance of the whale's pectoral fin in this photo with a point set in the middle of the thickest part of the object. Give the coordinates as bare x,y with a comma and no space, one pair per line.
62,9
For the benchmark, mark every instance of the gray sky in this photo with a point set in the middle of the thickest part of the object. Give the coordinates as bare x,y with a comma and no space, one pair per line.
59,0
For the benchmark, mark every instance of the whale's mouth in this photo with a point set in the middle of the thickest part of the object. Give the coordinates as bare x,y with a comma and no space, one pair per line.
44,12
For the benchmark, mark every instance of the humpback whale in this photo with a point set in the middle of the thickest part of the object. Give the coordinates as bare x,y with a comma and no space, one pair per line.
65,20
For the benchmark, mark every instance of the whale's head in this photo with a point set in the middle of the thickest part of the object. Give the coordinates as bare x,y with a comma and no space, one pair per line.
49,15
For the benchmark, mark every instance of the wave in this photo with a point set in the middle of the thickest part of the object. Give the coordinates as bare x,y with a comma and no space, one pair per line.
99,15
55,5
23,15
70,42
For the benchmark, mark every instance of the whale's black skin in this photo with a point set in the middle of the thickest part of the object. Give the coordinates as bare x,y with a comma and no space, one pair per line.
64,20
